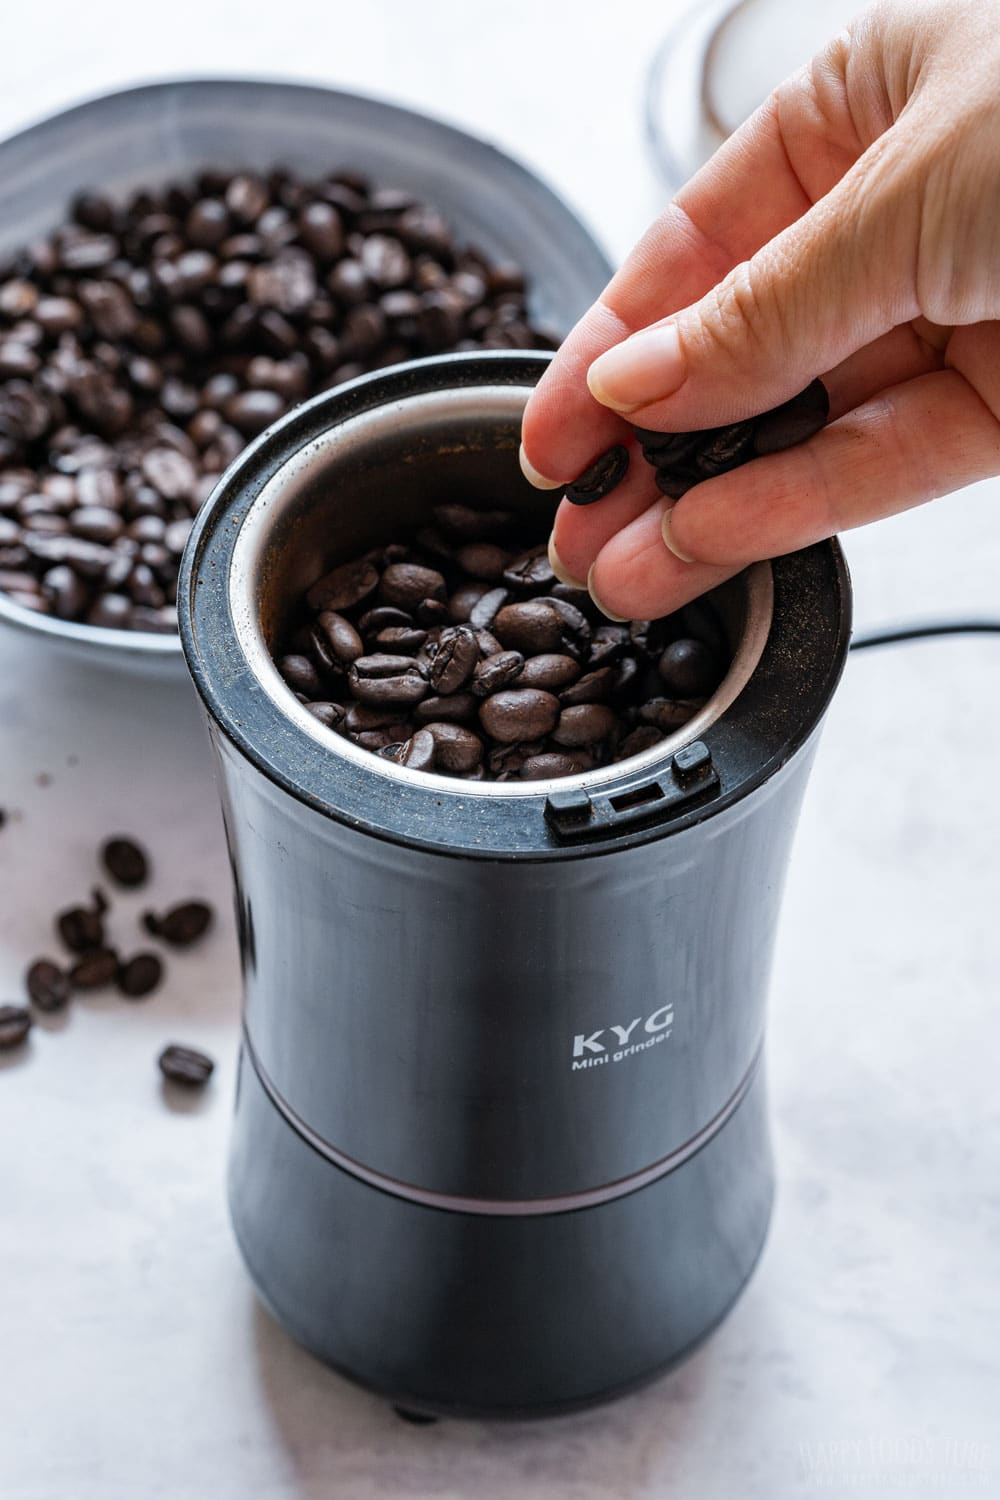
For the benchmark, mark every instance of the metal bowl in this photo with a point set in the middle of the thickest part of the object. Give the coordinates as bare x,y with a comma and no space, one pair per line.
164,130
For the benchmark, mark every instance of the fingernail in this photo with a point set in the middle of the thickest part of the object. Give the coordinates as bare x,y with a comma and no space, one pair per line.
563,575
532,475
618,619
645,368
668,538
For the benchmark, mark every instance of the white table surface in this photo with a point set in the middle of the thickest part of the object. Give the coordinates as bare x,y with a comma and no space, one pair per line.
864,1357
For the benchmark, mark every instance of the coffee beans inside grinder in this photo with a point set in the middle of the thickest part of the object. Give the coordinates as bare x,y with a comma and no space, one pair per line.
460,652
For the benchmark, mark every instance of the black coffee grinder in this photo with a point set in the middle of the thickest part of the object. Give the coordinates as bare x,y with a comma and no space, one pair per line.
501,1142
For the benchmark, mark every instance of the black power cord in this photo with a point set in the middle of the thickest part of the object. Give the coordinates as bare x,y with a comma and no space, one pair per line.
922,630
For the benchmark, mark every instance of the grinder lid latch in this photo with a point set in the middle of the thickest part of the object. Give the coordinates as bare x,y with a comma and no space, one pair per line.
576,814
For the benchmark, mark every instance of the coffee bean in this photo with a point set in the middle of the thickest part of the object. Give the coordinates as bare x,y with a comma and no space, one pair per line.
533,627
321,230
113,611
669,714
343,587
725,448
455,748
512,715
360,717
406,640
584,724
66,592
483,560
603,475
419,751
47,985
530,570
181,924
15,1024
455,709
404,690
299,673
456,658
94,969
464,600
592,687
794,421
383,616
550,670
344,643
627,677
486,608
81,928
207,223
607,644
641,739
185,1066
330,714
552,763
467,524
576,631
125,861
138,976
407,585
496,672
689,669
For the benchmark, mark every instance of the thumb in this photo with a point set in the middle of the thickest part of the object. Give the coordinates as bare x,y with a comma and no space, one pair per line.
838,277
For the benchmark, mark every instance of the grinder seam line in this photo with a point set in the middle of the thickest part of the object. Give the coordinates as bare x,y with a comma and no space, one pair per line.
504,1207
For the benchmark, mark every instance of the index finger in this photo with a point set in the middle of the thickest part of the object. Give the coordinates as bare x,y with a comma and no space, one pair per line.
721,217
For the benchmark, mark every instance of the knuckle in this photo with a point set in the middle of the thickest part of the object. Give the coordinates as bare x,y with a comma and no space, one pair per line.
743,316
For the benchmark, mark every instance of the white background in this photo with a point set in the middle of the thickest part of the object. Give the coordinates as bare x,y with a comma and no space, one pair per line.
134,1361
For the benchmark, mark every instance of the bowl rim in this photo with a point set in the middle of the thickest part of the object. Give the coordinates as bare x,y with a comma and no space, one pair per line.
156,644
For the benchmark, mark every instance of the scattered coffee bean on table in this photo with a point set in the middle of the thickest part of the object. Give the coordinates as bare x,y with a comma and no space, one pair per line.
684,459
125,861
186,1066
181,925
459,652
48,986
82,927
92,971
144,342
138,976
15,1024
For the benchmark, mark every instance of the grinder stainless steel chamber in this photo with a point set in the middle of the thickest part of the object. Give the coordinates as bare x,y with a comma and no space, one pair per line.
500,1143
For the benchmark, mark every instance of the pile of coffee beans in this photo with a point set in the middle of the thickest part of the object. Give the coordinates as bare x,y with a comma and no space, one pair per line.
460,653
143,343
94,964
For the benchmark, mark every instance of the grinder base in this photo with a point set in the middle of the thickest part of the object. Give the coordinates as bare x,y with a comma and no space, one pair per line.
480,1315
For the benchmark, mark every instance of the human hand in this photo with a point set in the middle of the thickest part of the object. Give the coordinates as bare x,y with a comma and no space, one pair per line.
852,227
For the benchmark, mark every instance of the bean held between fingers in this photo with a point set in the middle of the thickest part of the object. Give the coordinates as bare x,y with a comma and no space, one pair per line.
146,341
684,459
431,665
603,475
